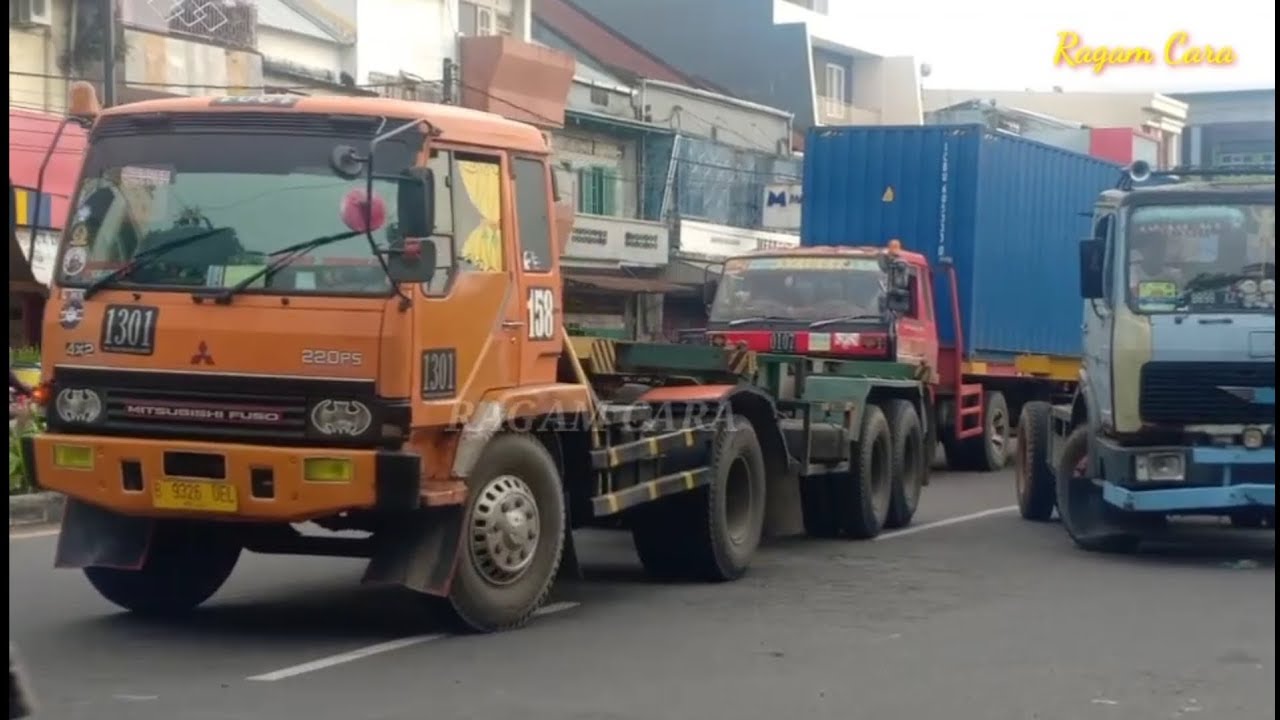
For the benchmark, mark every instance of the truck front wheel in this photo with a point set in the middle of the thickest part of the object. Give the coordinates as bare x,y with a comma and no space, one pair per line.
1088,519
185,566
1033,473
513,535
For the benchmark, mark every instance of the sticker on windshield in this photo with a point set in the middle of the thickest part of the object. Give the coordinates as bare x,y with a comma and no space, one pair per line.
73,261
138,176
815,263
83,213
80,235
1157,295
231,275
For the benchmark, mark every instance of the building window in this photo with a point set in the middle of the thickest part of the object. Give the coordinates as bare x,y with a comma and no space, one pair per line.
598,191
834,97
484,17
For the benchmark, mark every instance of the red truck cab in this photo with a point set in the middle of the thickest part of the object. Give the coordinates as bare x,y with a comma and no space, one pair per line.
830,302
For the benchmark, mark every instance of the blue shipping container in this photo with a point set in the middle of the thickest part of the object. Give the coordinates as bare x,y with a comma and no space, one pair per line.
1009,212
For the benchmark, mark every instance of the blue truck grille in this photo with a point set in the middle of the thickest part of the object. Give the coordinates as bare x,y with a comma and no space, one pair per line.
1190,393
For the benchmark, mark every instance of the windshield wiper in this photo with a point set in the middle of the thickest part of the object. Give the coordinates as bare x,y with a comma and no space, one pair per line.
144,258
759,318
284,256
844,318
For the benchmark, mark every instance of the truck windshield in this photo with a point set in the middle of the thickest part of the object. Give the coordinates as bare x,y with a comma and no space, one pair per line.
246,195
1202,258
799,289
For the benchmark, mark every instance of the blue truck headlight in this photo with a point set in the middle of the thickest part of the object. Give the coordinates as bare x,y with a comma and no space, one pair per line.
1159,467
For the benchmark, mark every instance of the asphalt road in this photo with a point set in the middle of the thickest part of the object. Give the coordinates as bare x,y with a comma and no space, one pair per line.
971,614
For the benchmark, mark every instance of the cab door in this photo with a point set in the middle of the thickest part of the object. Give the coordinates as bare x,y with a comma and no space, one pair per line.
917,341
538,267
468,330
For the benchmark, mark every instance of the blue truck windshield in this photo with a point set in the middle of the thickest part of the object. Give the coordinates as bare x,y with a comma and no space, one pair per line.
800,289
245,195
1202,258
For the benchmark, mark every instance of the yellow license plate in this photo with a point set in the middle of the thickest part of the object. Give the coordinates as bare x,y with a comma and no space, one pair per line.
192,495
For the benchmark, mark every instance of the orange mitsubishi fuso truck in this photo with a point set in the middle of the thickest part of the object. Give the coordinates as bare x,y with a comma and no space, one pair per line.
277,316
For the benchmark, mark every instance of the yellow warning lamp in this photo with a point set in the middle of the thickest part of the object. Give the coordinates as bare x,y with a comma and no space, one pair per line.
82,101
895,246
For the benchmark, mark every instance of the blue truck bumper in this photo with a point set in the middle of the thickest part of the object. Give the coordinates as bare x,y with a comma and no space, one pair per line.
1219,479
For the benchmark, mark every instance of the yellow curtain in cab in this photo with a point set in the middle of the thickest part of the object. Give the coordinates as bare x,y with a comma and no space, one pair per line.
483,246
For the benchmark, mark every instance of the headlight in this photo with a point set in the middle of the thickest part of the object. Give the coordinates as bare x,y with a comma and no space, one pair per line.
78,405
341,418
1159,467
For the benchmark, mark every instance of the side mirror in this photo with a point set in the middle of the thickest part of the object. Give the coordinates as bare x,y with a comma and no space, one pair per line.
711,284
564,217
898,301
412,261
899,275
1092,261
415,203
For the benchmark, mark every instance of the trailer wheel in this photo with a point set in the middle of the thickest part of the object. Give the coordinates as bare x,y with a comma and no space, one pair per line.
1091,523
909,464
513,538
866,491
1033,473
186,565
818,506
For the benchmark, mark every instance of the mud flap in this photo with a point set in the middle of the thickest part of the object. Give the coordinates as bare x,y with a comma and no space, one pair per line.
94,537
569,567
419,552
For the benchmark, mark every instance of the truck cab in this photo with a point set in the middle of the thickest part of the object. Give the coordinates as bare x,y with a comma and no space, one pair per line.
840,303
1175,413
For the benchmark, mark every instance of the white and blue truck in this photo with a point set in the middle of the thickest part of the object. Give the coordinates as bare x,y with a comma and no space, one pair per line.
1174,414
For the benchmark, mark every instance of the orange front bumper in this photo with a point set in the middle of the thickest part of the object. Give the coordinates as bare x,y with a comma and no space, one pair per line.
124,475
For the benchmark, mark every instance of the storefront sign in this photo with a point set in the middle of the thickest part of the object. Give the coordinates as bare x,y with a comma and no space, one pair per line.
719,241
780,209
598,241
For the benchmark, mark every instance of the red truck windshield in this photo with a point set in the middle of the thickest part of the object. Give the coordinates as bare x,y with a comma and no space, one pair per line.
801,289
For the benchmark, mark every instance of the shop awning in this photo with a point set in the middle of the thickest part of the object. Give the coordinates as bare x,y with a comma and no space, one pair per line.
626,284
30,135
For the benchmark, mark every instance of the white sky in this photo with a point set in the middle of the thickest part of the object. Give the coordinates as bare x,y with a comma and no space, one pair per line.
1009,45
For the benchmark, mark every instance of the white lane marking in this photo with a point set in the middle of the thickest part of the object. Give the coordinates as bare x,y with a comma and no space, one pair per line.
31,534
364,652
948,521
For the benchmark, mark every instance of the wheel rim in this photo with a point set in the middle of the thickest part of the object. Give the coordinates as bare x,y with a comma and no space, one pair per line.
881,480
737,500
504,530
999,431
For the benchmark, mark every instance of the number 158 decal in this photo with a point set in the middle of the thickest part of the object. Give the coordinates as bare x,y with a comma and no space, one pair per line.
542,314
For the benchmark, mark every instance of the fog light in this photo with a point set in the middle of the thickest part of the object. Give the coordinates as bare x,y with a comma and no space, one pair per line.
73,457
327,470
1159,467
1253,438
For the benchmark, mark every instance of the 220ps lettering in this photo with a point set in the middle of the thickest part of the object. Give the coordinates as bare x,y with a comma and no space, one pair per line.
332,357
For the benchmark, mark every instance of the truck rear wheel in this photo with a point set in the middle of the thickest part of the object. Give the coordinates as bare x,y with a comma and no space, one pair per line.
989,451
513,535
865,493
185,566
1088,519
711,533
1033,473
909,464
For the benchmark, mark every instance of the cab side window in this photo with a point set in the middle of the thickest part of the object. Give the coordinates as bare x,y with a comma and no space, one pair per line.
913,287
1103,229
468,232
533,204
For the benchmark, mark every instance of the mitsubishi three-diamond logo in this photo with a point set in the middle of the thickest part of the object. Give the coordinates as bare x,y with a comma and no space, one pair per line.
206,16
1252,395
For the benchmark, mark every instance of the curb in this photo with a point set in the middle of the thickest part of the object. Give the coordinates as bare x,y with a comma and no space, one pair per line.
35,508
